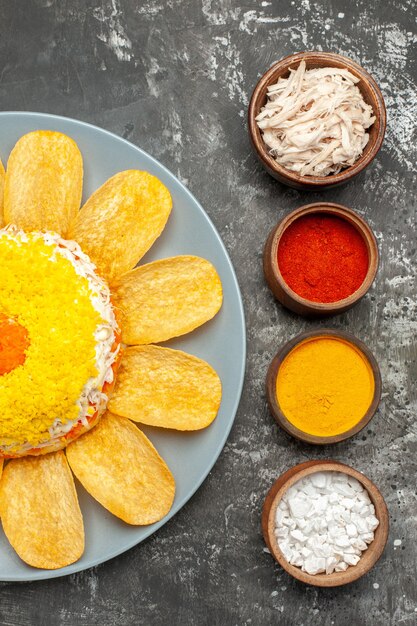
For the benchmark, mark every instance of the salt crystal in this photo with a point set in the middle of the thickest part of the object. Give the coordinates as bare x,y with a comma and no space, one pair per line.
298,535
342,541
319,480
364,496
372,522
351,559
312,512
361,525
299,507
344,489
316,524
309,490
355,484
336,532
340,477
328,516
321,504
331,563
282,532
280,516
314,565
359,544
286,550
297,560
351,530
291,493
341,567
324,549
288,521
338,549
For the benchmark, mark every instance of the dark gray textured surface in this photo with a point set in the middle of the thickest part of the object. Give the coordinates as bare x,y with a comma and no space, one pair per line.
175,78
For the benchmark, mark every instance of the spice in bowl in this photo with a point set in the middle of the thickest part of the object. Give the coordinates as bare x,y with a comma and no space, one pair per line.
324,386
323,257
324,522
315,121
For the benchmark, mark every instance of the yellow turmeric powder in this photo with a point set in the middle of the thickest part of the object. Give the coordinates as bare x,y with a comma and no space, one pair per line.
325,385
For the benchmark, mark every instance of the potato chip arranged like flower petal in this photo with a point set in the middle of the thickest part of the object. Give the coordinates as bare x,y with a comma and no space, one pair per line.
40,512
44,180
167,298
121,469
121,221
166,388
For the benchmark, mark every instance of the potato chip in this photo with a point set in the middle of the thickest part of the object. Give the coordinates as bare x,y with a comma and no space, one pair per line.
167,388
121,220
2,177
40,512
44,181
167,298
120,468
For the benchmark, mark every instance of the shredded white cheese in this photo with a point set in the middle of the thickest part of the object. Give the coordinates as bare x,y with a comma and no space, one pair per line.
315,121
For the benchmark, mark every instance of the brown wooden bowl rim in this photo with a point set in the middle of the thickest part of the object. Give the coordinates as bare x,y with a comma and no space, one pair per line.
335,60
375,549
272,374
339,210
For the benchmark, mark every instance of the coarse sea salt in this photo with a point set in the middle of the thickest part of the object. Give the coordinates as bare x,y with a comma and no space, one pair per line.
315,120
324,522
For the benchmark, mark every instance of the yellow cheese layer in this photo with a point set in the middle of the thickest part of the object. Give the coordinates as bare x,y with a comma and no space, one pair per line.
42,291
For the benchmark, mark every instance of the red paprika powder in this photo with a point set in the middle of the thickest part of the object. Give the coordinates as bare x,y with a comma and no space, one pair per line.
322,257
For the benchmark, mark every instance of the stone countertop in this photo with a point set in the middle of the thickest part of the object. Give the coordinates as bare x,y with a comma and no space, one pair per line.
175,77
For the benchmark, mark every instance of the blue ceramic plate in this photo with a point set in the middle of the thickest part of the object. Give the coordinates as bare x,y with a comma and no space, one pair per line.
221,341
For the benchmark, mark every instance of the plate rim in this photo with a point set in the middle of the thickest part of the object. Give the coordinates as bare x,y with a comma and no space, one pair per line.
75,568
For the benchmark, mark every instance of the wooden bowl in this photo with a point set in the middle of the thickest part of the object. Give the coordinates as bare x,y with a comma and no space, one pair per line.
369,557
280,417
285,294
370,92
